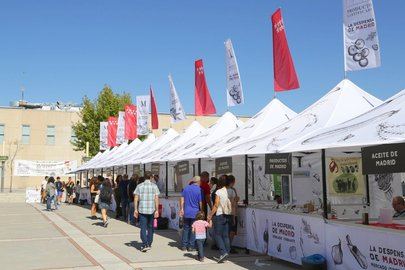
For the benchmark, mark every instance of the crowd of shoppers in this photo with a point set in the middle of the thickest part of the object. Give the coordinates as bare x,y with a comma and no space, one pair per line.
205,203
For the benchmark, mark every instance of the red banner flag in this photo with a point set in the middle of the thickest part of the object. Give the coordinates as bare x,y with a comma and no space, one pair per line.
285,77
130,122
155,120
202,98
112,131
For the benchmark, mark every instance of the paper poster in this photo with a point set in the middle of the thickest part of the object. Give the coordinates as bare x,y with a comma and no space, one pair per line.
344,176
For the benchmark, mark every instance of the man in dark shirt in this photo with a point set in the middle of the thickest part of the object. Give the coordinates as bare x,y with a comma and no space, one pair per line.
133,182
206,190
398,203
123,186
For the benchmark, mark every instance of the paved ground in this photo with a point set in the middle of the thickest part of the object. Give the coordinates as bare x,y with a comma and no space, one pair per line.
31,238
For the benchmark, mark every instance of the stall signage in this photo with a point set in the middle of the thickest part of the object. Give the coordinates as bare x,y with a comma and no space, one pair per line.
386,158
344,176
223,165
155,168
137,169
278,163
183,167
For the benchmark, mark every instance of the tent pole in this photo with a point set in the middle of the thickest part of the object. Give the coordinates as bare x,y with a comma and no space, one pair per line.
253,178
193,169
87,176
199,166
93,172
144,169
126,169
101,171
246,181
113,172
324,192
367,191
167,179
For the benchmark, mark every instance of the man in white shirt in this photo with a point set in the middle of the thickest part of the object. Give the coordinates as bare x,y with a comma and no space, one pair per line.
43,189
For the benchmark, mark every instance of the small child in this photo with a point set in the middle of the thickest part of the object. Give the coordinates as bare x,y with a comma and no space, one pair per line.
199,228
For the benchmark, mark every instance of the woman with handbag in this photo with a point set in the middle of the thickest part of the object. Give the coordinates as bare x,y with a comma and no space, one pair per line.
220,214
94,197
105,197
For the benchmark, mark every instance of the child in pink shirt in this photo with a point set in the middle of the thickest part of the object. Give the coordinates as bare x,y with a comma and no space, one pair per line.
199,228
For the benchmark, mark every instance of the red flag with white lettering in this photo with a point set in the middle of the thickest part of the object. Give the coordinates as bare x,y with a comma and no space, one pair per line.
155,120
202,97
130,122
112,131
285,77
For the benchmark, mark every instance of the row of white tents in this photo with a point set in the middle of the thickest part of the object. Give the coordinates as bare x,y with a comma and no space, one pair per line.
346,116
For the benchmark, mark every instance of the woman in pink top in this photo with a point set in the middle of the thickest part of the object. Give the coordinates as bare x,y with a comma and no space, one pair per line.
199,228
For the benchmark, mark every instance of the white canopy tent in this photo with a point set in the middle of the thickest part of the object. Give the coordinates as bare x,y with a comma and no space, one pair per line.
383,124
226,124
271,116
108,158
345,101
124,160
162,141
159,154
94,160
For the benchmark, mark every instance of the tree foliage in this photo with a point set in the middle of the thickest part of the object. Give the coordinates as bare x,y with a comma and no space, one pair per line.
87,129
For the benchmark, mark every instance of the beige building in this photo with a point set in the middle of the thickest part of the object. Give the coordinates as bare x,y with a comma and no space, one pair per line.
45,134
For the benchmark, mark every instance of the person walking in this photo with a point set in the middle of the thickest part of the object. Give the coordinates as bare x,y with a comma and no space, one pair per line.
59,190
70,190
200,230
77,192
50,191
190,205
117,197
133,182
206,191
43,189
147,195
123,186
233,219
220,213
105,194
93,194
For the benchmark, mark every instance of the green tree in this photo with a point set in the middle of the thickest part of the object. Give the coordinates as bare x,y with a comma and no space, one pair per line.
87,129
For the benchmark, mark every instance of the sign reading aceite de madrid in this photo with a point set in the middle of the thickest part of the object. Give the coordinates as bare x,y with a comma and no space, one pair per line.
385,158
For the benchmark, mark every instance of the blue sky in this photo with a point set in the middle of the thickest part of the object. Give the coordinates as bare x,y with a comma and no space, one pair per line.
68,49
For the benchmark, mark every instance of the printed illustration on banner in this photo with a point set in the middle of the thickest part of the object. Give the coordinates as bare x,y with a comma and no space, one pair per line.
345,176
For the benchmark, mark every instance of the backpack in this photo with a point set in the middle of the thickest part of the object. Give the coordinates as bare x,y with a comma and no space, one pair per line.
105,194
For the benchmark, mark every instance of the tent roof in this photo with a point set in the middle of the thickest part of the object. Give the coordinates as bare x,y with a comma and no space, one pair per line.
133,152
272,115
193,130
108,158
225,124
166,138
383,124
93,161
345,101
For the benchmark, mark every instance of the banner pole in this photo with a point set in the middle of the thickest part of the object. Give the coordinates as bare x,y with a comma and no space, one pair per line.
324,192
199,166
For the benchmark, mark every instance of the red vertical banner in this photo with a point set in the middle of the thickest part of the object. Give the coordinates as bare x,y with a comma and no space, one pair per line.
202,97
285,77
153,106
130,122
112,131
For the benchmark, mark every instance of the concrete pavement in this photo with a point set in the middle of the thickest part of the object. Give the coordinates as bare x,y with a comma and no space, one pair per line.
31,238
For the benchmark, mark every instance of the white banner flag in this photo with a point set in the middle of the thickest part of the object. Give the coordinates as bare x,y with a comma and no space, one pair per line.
43,167
103,135
143,106
177,113
362,49
121,128
234,93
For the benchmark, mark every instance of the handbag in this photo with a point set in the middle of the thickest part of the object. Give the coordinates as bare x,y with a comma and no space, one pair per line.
97,198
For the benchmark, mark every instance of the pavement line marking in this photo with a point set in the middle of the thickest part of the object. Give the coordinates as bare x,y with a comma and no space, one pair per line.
101,244
80,249
23,214
33,239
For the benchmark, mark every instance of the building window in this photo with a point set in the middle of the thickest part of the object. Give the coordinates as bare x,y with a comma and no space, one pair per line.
25,137
1,133
73,137
50,135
